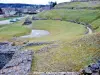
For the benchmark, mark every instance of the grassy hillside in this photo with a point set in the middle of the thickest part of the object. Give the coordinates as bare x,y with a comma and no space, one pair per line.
96,25
92,4
87,16
68,56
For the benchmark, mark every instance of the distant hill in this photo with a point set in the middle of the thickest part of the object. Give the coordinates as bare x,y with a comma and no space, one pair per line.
89,4
18,5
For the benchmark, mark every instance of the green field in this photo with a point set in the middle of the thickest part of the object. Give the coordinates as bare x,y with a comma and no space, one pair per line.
59,29
6,18
12,30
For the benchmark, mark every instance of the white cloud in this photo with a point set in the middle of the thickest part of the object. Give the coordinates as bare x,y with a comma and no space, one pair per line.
32,1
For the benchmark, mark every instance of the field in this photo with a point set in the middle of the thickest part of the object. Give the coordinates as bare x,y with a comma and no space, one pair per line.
6,18
12,30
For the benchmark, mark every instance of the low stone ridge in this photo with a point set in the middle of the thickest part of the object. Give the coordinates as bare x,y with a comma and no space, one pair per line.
37,18
38,43
27,21
47,48
9,48
15,61
54,73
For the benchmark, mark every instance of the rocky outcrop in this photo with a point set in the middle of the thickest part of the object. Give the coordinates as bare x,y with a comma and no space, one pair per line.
92,69
55,73
39,43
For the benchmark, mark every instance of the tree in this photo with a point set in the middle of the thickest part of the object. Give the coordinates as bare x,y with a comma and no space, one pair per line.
52,4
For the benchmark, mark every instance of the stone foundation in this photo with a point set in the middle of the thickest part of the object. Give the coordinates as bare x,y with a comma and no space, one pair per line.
13,61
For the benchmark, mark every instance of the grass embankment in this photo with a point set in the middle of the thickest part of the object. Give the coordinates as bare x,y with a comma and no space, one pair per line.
96,25
87,16
68,56
12,30
84,5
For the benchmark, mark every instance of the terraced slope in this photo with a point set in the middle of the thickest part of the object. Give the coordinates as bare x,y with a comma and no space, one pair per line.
70,56
81,16
83,5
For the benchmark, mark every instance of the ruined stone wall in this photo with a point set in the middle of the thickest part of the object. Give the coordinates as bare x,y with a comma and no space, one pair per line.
14,61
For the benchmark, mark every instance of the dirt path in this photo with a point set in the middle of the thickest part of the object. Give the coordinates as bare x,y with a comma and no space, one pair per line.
89,30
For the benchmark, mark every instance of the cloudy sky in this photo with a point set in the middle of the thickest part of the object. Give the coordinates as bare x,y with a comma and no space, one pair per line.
32,1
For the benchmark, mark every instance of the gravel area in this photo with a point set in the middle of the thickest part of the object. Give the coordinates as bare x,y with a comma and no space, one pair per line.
36,33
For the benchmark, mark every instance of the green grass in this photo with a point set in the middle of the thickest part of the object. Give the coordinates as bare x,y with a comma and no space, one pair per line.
12,30
79,5
78,15
58,29
96,25
7,18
